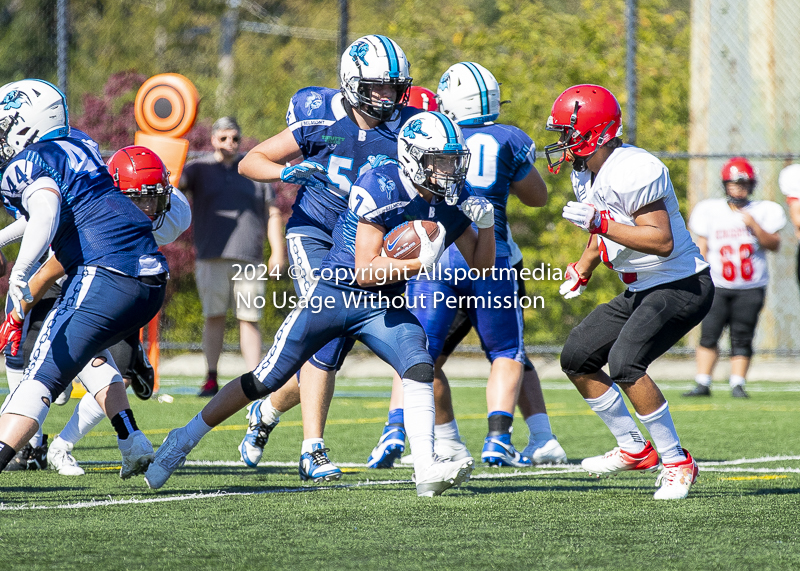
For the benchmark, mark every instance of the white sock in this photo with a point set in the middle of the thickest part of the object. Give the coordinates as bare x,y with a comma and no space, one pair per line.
662,430
704,380
197,428
269,413
539,427
85,417
420,417
447,431
308,444
611,409
736,381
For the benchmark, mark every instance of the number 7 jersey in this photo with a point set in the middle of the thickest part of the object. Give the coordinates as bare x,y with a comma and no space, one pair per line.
737,259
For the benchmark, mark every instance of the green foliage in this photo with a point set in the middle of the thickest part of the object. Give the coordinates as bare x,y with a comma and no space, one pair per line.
536,50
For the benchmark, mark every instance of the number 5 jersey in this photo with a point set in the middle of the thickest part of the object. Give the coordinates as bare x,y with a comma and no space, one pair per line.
737,259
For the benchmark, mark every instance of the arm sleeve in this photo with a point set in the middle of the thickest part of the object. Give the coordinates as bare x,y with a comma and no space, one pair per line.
13,232
44,210
176,220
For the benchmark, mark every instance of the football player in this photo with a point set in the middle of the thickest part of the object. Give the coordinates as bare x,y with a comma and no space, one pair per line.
626,202
428,184
502,163
733,234
55,177
339,134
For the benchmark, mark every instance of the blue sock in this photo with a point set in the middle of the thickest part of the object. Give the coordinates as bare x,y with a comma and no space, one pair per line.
396,417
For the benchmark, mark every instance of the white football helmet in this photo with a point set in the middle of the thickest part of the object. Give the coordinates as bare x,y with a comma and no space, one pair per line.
469,94
369,61
432,152
30,110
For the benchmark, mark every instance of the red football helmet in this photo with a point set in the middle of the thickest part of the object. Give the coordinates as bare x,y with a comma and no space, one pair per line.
739,169
588,117
422,98
141,175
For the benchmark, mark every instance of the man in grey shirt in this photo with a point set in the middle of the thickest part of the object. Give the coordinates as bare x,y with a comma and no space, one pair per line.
232,215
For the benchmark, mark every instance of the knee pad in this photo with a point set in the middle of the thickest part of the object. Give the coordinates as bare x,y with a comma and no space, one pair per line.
576,360
99,373
421,372
31,399
253,388
741,347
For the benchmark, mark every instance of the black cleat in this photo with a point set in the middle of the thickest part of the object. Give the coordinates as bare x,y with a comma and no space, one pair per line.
20,460
143,378
699,391
29,458
738,392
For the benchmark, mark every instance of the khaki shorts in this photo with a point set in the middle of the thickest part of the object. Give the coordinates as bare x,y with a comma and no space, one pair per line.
219,291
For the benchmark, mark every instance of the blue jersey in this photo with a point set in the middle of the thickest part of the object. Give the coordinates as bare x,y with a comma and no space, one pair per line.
98,226
327,136
385,197
501,154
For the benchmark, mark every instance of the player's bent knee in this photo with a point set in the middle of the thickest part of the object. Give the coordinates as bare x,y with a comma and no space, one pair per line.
575,360
741,347
421,372
253,388
97,377
31,399
625,372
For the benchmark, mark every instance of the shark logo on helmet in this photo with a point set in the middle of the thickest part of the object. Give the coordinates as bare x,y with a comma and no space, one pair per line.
14,100
413,129
444,83
358,52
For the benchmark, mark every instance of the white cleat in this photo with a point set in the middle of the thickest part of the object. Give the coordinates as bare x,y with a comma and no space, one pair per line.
59,458
408,460
676,479
545,452
450,449
63,398
137,453
617,460
441,476
171,455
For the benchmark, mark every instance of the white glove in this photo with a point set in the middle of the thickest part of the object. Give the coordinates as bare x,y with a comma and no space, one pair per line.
479,210
575,285
303,174
430,250
585,216
18,291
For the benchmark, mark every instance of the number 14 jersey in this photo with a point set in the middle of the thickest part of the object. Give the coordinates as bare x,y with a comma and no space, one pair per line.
737,259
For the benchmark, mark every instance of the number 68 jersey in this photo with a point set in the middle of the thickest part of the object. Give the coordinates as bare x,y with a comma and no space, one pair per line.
737,259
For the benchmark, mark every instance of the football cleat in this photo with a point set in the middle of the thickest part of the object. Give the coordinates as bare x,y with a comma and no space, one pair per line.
60,458
171,455
676,479
63,398
698,391
20,460
252,446
498,451
738,392
390,447
29,458
617,460
142,375
441,476
209,389
137,454
316,465
545,452
450,449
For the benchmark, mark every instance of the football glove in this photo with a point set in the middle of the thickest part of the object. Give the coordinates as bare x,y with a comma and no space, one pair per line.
304,174
479,210
575,284
586,216
430,250
19,291
11,333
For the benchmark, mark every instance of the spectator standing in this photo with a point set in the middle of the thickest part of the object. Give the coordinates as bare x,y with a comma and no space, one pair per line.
232,215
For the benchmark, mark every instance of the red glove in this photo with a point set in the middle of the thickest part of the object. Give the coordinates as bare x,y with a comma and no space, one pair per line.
574,284
11,333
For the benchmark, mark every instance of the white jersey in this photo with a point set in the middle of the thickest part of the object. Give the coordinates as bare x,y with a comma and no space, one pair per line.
630,179
737,259
175,221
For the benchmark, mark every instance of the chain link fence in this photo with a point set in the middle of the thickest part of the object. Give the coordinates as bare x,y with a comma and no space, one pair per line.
715,78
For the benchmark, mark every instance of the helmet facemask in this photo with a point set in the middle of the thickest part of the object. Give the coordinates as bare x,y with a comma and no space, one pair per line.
153,200
748,183
384,110
7,152
442,172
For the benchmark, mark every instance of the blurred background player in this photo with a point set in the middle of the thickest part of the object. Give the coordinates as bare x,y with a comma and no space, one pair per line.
733,234
502,163
101,241
428,184
789,183
625,200
232,216
141,176
339,134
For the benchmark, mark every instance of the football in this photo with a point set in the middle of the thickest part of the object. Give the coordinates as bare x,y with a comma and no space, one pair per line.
403,243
